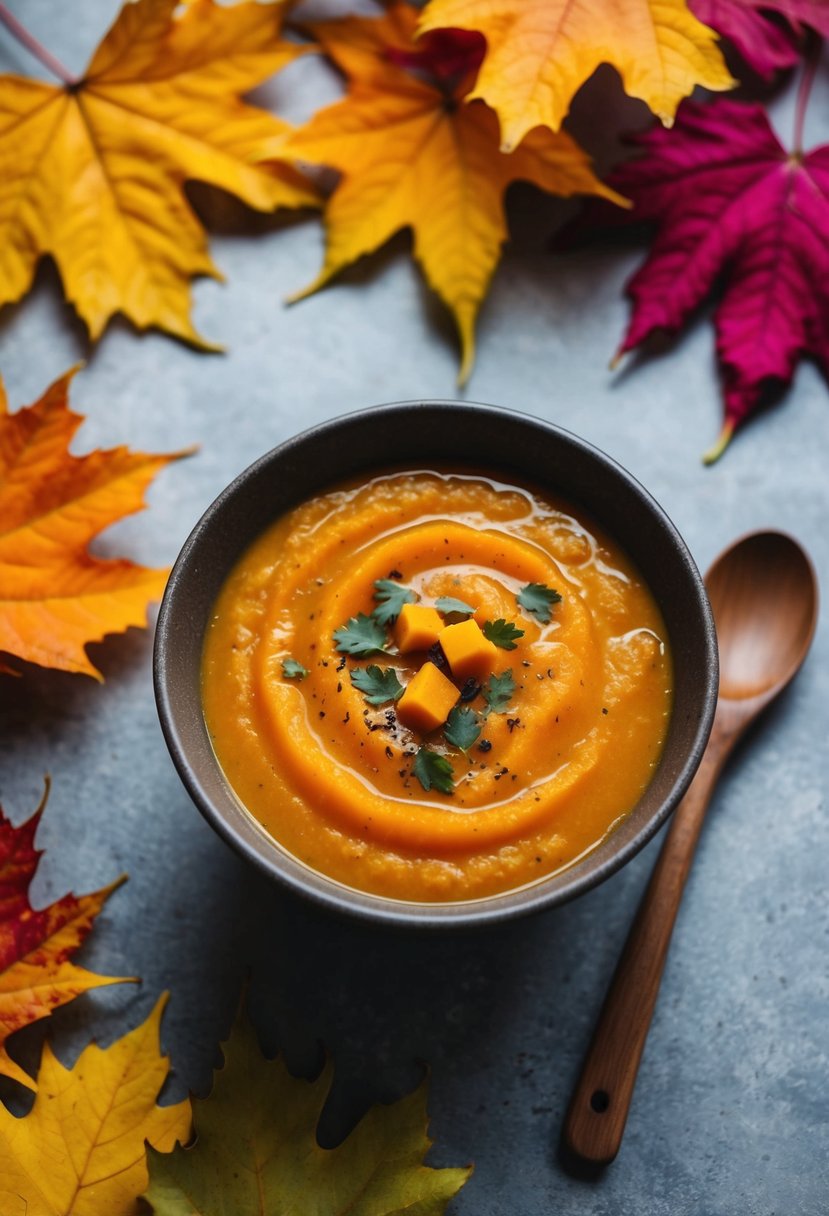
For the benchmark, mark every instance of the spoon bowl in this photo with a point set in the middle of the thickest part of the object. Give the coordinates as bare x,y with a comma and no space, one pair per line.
763,592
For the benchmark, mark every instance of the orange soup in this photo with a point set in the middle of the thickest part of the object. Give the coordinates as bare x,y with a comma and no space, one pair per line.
436,686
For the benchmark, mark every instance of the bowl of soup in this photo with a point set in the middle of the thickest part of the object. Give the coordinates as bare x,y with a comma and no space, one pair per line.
435,664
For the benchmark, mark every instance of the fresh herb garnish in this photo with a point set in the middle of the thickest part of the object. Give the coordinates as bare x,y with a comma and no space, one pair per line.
538,599
498,692
376,684
502,633
448,605
462,728
433,771
391,597
362,635
292,670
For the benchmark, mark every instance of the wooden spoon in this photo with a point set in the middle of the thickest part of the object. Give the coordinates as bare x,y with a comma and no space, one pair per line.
763,592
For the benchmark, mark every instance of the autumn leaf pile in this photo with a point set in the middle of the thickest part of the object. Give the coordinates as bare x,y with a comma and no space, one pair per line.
445,106
82,1150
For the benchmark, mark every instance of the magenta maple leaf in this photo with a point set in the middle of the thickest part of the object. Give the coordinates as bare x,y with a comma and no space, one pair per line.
733,207
765,45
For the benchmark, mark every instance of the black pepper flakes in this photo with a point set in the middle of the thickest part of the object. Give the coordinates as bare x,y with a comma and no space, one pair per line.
470,689
512,723
435,655
341,665
484,746
389,752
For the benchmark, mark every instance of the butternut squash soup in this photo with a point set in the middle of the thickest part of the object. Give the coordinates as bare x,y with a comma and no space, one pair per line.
436,686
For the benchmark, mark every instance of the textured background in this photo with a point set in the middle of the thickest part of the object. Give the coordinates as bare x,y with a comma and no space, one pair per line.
730,1114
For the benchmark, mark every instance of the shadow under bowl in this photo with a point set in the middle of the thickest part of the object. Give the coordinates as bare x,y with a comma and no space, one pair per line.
432,433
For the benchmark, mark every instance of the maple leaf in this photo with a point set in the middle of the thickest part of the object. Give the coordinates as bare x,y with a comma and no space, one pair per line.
93,170
54,595
36,975
763,43
80,1150
256,1150
540,52
412,155
732,204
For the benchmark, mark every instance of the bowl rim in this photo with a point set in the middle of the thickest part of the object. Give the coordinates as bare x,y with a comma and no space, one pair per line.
331,894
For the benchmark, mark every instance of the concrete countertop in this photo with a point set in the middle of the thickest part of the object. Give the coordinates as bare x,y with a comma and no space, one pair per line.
731,1111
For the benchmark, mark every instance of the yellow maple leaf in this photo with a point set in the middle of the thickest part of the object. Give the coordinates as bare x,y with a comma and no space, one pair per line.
540,52
92,172
55,596
412,155
36,944
80,1150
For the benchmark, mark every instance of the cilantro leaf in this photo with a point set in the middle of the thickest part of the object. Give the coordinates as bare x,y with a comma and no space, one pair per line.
462,728
292,670
538,599
361,635
498,692
433,771
448,605
502,633
377,685
391,597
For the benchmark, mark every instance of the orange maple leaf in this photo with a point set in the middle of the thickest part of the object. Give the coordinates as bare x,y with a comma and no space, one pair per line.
540,52
413,155
36,974
55,596
93,170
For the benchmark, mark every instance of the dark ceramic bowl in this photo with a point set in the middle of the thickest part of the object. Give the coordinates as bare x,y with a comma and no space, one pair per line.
433,432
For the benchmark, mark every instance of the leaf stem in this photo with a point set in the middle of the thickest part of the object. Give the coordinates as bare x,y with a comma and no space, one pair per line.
807,79
34,48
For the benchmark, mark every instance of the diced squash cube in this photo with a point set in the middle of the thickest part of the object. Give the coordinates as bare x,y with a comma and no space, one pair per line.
428,698
417,627
468,652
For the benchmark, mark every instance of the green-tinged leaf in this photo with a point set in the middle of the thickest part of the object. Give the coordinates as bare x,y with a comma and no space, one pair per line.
256,1151
390,598
502,633
362,635
433,771
376,683
498,692
538,599
293,670
463,726
449,606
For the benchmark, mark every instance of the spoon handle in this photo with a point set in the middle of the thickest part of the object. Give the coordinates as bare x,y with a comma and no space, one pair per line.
598,1109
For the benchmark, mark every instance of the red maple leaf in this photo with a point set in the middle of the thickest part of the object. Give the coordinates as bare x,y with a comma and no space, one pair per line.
764,43
733,208
36,974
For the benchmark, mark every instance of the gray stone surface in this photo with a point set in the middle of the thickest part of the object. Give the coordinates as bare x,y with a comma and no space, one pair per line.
731,1113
